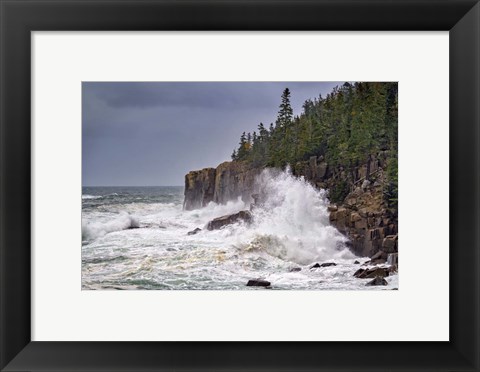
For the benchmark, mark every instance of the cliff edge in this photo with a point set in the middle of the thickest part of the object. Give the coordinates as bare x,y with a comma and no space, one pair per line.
228,181
358,208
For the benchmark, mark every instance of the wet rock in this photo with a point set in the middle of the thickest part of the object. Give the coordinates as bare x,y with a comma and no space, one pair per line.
371,273
258,283
378,281
356,262
381,272
219,222
193,232
295,269
359,272
389,244
325,264
379,261
380,255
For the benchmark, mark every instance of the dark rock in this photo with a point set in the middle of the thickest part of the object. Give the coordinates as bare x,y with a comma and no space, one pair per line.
359,272
378,261
371,273
295,269
193,232
199,188
258,283
356,262
321,171
325,264
378,281
219,222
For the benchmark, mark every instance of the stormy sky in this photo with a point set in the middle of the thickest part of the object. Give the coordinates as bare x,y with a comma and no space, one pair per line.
153,133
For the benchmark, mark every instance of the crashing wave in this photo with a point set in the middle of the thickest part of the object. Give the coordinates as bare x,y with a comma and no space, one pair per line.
93,230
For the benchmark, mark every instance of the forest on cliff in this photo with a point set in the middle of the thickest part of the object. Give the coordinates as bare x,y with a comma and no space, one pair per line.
352,123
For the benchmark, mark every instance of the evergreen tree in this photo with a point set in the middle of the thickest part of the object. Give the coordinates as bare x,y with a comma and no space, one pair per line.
348,126
243,149
283,130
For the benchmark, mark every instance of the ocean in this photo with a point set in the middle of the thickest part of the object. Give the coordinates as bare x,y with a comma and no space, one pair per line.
137,238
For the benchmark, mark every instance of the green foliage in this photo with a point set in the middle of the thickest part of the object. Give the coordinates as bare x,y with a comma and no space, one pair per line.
339,191
351,123
391,191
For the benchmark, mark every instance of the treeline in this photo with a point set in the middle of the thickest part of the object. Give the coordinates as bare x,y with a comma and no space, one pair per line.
351,123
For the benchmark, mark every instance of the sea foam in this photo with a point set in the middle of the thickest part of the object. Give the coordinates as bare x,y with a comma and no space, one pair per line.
92,230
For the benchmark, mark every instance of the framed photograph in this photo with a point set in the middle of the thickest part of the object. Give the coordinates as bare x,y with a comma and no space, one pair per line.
223,185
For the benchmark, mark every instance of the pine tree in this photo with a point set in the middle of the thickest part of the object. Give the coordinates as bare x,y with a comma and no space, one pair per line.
348,126
243,149
283,130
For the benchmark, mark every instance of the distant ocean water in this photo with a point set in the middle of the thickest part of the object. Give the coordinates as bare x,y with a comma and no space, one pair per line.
137,238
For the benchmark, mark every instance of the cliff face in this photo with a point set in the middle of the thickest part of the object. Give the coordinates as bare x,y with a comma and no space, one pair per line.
199,188
226,182
360,212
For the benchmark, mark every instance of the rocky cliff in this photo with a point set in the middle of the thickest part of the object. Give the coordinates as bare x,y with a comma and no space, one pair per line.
228,181
199,188
359,210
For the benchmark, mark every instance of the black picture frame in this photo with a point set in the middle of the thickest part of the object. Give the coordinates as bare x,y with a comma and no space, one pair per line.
18,18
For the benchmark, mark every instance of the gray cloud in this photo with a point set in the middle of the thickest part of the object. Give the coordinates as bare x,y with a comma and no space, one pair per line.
153,133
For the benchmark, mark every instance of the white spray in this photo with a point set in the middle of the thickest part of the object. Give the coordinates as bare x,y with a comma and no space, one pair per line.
292,221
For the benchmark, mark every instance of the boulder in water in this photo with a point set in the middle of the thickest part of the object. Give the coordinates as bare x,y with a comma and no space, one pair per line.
356,262
295,269
371,273
325,264
219,222
378,281
258,283
193,232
